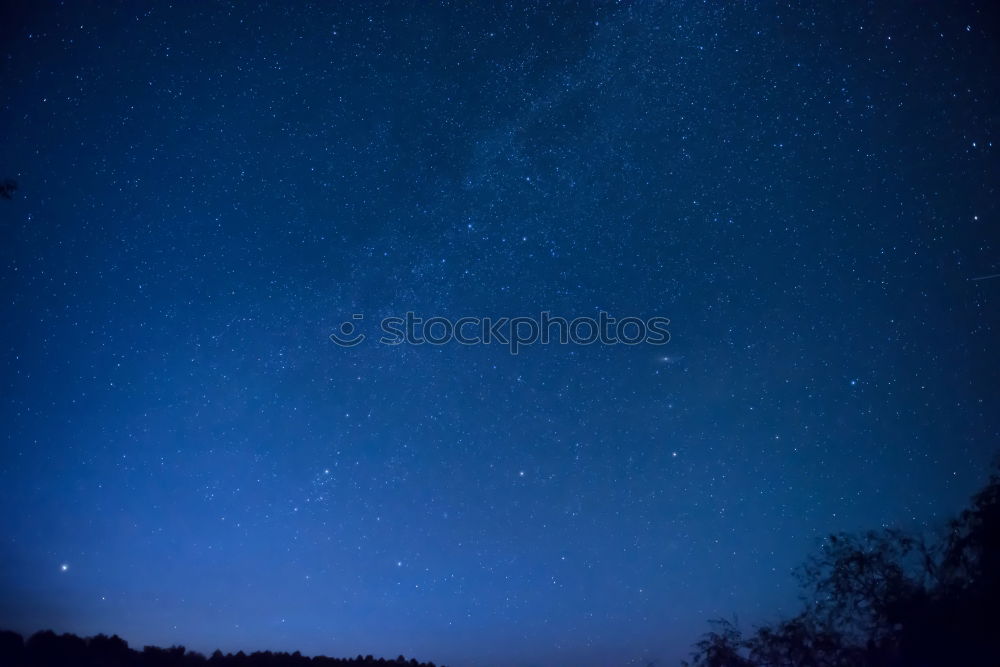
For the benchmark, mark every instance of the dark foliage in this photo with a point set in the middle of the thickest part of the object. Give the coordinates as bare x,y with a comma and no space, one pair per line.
47,649
886,599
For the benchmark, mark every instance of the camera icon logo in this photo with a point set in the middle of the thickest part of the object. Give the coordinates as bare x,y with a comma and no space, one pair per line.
346,336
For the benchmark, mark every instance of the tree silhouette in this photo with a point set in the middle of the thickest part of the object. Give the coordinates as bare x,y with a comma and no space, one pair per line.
47,649
722,646
885,599
11,648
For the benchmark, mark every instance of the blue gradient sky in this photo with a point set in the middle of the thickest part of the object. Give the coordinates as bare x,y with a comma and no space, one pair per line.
207,190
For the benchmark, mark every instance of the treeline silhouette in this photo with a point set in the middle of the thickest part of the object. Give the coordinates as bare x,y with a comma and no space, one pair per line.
47,649
885,599
875,599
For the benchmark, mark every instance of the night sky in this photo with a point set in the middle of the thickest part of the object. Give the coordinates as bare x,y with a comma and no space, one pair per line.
208,190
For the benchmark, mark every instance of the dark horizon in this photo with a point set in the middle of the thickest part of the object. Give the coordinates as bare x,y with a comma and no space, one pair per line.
778,221
194,652
875,598
48,644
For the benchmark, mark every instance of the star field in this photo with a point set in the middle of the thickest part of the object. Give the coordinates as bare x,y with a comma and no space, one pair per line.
206,191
